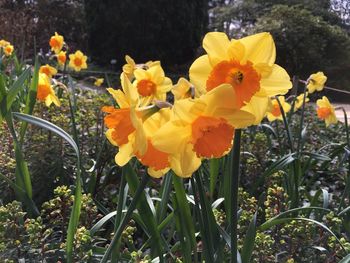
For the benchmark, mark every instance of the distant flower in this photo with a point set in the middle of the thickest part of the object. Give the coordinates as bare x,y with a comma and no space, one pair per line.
61,58
48,70
99,82
299,101
275,111
45,91
8,50
325,111
131,66
56,43
77,61
316,82
4,43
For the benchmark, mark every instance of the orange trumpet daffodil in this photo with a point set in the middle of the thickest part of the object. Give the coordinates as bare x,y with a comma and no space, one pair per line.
325,111
45,91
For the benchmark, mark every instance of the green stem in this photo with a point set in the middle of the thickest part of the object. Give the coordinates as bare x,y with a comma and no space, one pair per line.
301,122
118,218
126,218
286,126
234,192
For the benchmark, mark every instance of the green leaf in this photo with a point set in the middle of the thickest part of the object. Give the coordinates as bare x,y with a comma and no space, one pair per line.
13,91
214,165
75,213
317,156
249,241
96,227
345,259
31,98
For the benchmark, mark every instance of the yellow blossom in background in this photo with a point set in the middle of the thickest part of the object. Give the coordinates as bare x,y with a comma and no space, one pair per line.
200,128
8,50
151,84
316,82
56,43
4,43
45,91
131,65
299,101
247,64
61,58
98,82
77,61
274,112
184,89
325,111
48,70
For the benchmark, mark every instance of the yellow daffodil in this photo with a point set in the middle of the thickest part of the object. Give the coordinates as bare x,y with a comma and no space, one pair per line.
325,111
151,84
45,91
8,50
316,81
131,65
275,111
200,128
98,82
77,61
56,43
184,89
4,43
299,101
48,70
247,64
124,125
61,58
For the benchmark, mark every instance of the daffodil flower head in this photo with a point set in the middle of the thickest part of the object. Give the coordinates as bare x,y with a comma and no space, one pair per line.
48,70
131,65
77,61
4,43
123,123
184,89
247,64
98,82
61,58
204,128
151,84
56,43
299,101
275,112
316,82
45,91
8,50
325,111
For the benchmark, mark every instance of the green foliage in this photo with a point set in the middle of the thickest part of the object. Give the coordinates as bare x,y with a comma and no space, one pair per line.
306,43
146,30
43,237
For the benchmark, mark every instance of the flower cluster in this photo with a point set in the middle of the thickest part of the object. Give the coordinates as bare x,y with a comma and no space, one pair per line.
6,47
229,88
46,83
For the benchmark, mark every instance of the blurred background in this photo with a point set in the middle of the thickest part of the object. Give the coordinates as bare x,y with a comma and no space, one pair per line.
310,35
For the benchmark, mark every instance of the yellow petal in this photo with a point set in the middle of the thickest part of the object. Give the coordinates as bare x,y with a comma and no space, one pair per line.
237,118
278,82
186,162
140,145
236,50
182,110
216,45
129,90
199,72
157,174
260,48
164,138
258,107
157,74
109,137
119,97
125,154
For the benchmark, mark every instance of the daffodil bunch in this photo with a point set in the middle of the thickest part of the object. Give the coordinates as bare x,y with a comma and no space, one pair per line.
6,47
229,88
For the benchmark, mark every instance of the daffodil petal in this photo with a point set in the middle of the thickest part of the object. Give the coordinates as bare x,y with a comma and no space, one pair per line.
124,155
185,163
199,72
260,48
216,45
277,83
